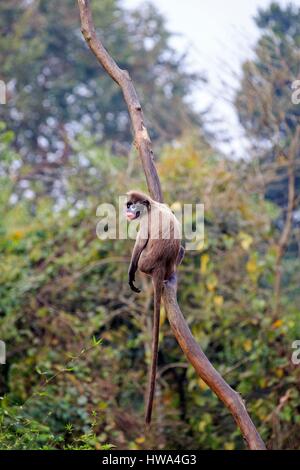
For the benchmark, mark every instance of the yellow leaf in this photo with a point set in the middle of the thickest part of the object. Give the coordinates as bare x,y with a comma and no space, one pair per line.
140,440
263,382
277,323
251,266
246,240
102,405
279,372
212,282
229,446
247,344
17,234
204,263
202,425
218,300
202,384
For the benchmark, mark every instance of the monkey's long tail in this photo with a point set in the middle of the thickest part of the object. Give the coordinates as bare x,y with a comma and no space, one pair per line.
158,279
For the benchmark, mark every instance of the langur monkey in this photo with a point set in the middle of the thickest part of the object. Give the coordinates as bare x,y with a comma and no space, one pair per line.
157,252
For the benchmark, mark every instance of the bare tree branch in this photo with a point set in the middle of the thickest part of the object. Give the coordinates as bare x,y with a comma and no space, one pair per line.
191,349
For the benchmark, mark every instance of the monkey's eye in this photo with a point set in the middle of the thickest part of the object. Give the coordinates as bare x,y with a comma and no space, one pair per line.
128,204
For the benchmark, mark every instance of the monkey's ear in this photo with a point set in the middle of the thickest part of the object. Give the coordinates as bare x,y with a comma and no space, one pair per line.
146,203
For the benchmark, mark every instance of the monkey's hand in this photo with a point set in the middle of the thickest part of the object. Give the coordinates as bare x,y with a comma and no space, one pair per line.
131,278
132,286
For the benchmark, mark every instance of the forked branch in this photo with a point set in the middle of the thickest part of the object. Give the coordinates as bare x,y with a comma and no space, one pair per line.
191,349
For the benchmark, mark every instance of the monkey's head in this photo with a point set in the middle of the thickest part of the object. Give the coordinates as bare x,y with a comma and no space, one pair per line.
136,205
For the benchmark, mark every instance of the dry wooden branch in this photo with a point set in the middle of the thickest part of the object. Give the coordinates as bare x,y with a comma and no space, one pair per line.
191,349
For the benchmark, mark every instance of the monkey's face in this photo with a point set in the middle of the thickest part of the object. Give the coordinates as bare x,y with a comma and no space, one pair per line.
134,210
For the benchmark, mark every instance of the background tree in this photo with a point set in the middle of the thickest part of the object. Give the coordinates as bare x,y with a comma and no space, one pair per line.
271,120
54,85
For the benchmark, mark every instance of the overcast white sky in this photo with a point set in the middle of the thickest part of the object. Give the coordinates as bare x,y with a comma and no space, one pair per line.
219,35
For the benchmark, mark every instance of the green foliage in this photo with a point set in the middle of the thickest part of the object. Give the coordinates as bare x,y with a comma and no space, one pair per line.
18,431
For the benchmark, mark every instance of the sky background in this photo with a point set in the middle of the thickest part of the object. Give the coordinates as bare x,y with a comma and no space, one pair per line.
219,35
